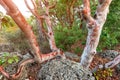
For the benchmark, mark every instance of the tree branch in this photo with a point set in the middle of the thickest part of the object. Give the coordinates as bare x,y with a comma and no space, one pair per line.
33,11
104,4
112,63
87,11
14,12
19,71
46,16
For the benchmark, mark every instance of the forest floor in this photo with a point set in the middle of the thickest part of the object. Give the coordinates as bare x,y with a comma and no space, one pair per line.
101,75
109,74
112,74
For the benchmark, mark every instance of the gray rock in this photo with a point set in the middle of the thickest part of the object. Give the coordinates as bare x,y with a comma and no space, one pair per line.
63,69
72,55
26,56
110,54
118,68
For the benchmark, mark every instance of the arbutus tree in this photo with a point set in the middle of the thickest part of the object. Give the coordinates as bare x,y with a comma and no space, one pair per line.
93,24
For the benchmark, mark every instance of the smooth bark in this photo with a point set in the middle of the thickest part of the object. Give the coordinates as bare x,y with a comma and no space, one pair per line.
16,15
94,26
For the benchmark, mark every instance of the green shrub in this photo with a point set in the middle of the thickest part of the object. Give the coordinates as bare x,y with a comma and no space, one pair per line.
77,50
6,59
66,37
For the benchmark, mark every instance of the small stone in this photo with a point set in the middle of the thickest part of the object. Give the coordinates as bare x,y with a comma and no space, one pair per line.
1,76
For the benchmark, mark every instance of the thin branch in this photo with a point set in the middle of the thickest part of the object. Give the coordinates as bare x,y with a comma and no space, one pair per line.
48,22
104,5
46,3
34,4
52,55
33,11
40,4
21,68
110,64
35,7
52,6
87,11
4,5
50,31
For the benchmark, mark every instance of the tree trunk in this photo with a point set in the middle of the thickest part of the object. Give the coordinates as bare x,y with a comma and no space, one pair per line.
16,15
94,26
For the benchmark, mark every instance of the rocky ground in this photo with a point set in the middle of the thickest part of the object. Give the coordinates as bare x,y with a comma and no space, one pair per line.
60,69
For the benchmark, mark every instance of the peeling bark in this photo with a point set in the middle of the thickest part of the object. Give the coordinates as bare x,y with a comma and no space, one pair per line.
46,18
49,28
94,26
14,12
16,15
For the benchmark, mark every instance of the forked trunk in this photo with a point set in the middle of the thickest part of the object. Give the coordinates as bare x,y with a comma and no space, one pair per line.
94,26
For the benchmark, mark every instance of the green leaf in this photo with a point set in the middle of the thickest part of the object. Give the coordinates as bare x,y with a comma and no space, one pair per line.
97,78
1,62
5,54
16,59
10,61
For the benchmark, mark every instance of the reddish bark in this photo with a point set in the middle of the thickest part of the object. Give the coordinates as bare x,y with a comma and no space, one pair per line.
3,72
94,26
14,12
70,12
45,17
19,71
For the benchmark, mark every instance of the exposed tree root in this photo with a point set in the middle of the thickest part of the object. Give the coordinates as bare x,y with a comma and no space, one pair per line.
19,71
21,66
110,64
